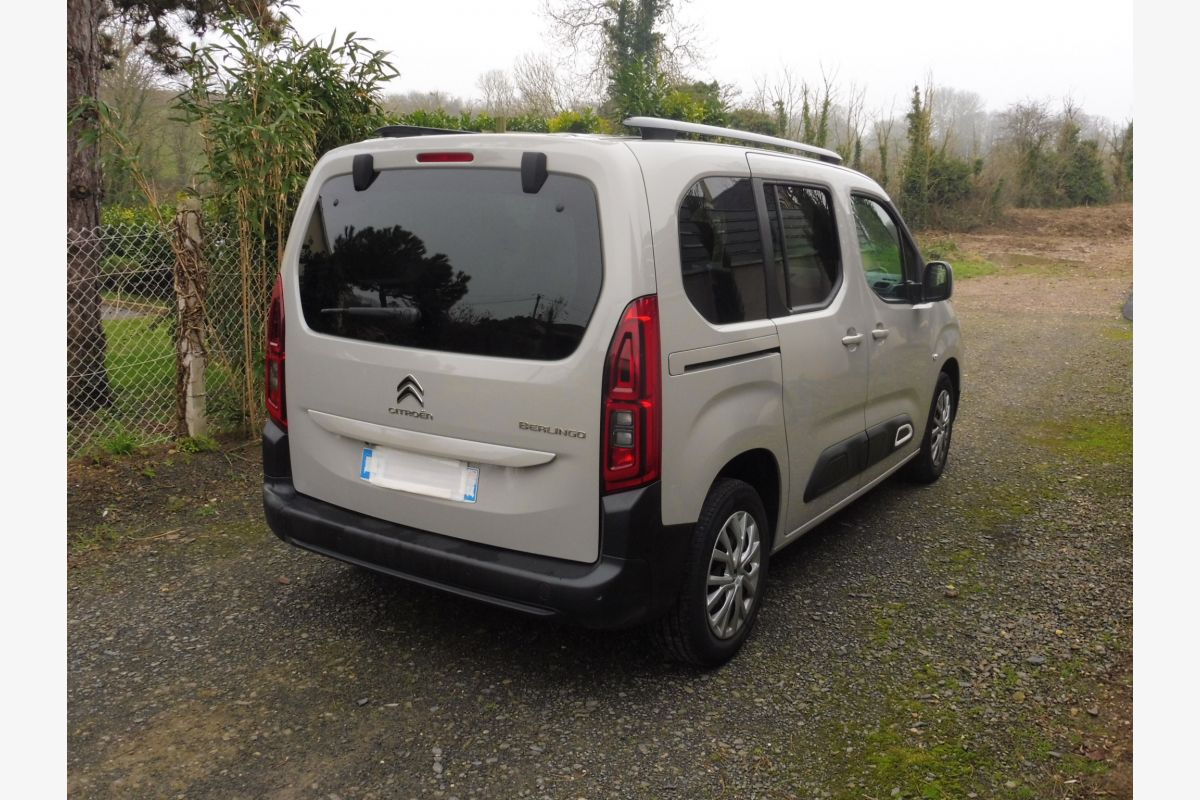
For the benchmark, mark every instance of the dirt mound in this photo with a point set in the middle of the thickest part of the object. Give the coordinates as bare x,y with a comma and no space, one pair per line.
1115,221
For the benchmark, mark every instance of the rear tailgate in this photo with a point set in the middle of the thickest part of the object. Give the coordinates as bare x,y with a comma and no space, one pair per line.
444,323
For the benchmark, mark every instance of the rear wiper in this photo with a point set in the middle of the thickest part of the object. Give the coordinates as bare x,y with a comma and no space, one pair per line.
371,311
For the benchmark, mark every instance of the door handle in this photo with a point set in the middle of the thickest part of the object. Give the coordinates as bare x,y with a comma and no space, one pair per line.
852,339
880,333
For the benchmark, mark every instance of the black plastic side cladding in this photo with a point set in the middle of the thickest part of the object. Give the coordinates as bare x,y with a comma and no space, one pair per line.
881,438
364,171
840,462
533,172
836,465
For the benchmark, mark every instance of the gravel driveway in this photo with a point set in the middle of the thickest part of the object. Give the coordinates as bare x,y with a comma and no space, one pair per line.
967,639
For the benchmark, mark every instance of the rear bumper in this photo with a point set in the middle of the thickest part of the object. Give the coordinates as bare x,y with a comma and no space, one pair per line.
635,579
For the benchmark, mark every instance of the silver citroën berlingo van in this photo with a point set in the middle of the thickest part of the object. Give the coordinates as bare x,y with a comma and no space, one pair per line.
597,378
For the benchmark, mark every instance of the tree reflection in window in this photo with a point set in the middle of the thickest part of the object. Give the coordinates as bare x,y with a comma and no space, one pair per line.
382,285
375,278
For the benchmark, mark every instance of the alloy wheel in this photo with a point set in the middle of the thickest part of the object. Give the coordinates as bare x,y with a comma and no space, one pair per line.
733,573
939,442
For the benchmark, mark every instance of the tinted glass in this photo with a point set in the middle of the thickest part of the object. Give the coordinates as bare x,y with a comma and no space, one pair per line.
721,250
454,259
879,244
805,242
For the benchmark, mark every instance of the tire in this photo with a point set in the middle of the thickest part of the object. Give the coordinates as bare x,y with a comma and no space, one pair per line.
686,633
929,463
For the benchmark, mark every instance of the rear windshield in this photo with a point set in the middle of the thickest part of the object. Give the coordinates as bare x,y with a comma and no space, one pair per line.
460,260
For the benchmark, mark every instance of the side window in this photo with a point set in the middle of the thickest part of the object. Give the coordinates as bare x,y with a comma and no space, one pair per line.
720,251
805,242
884,251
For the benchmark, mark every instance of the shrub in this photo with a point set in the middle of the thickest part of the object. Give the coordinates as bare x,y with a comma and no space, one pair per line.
584,121
197,444
527,123
121,443
137,252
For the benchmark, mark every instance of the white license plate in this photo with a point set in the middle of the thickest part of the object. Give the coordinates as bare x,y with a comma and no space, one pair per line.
420,474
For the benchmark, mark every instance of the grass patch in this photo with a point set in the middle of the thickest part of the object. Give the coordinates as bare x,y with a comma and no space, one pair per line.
885,621
995,504
136,302
1022,264
939,760
965,265
937,772
231,538
1078,765
1000,507
1113,641
926,742
141,367
122,443
966,268
103,535
1071,671
883,630
198,444
1120,333
1098,439
939,248
965,558
140,361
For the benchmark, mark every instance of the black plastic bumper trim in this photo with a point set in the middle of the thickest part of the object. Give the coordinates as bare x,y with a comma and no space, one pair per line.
635,579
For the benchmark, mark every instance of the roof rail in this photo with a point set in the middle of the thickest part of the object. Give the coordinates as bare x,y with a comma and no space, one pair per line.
401,131
655,128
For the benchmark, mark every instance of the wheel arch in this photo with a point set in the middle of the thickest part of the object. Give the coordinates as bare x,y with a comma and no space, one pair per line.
952,369
760,469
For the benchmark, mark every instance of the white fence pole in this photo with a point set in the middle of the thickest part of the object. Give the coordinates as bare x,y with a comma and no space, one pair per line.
191,286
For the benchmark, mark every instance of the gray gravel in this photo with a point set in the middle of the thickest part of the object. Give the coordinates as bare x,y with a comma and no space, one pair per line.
938,641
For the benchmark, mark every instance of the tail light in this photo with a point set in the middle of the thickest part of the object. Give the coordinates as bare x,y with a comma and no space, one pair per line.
631,454
274,382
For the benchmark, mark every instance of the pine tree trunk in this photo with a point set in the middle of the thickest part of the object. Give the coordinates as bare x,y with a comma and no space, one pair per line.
87,379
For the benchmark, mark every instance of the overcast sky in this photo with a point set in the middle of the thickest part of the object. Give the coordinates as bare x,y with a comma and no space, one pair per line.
1005,51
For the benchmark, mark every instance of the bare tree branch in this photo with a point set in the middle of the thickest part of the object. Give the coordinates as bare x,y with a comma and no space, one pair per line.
538,86
499,96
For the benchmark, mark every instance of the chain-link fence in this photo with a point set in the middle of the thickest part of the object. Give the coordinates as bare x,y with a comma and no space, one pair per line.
125,381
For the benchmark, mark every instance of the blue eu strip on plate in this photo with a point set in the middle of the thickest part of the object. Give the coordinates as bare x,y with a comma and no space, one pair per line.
417,473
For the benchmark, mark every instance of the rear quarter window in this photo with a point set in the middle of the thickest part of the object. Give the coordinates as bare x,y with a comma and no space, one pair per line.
457,260
720,250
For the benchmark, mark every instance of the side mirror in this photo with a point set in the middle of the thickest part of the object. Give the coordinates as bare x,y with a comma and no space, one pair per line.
938,283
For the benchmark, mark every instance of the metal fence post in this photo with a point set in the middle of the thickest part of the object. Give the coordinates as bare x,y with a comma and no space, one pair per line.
191,288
